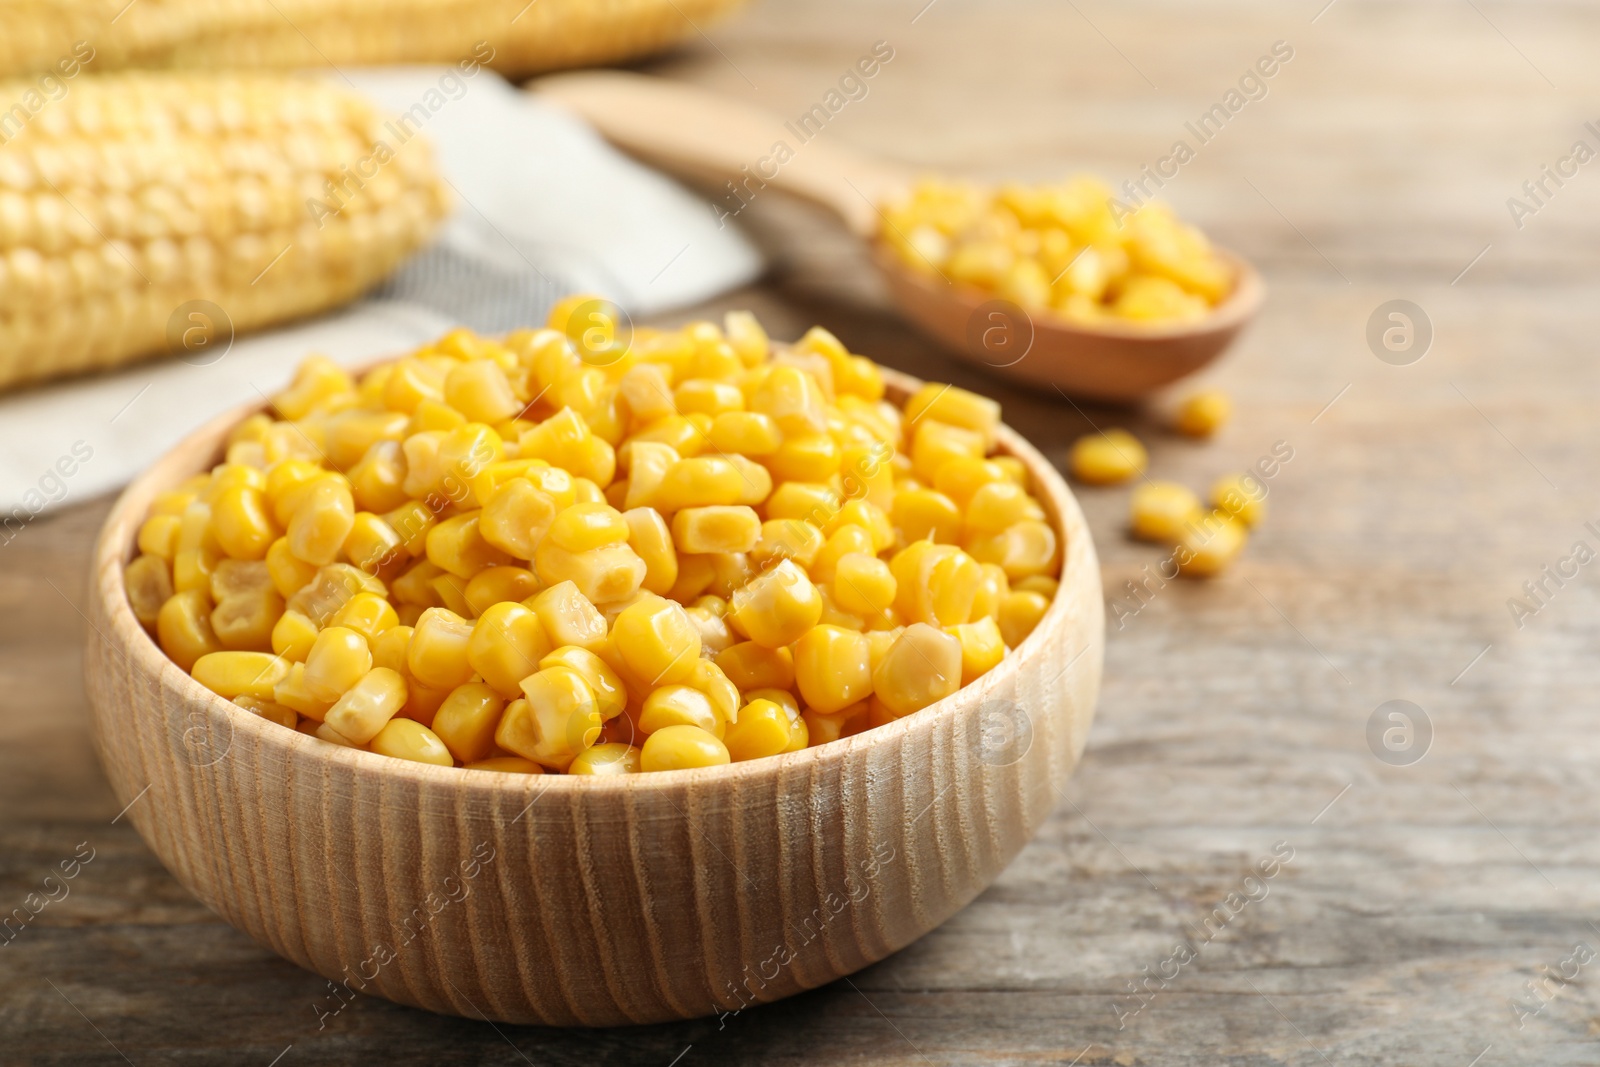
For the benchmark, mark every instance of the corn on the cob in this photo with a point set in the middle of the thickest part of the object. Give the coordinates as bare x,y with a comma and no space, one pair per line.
524,37
133,194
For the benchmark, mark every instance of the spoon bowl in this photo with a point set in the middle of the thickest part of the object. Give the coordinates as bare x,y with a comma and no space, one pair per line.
703,136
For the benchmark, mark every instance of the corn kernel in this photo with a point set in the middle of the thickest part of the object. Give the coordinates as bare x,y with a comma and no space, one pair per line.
822,728
557,720
745,433
750,666
863,584
610,758
1204,413
270,710
602,575
405,739
479,390
1160,511
457,545
982,647
467,719
183,628
955,407
998,506
1210,544
158,536
1026,548
338,659
586,526
1243,496
245,621
149,583
721,528
934,443
793,400
610,694
923,666
679,705
293,635
777,607
516,518
1108,457
832,668
1039,583
657,641
322,521
1019,613
366,707
437,653
232,674
499,584
292,693
763,729
923,514
675,748
569,617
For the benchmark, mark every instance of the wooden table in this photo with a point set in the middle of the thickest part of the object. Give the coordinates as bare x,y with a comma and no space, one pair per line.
1420,900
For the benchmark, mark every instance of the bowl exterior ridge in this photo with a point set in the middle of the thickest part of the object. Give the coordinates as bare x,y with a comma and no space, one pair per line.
588,901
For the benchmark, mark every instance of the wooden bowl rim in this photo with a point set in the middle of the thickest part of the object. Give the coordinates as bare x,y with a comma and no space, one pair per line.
1240,307
148,661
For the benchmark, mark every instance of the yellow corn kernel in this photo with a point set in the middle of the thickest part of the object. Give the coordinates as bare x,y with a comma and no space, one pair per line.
707,396
652,542
285,483
867,516
293,635
406,739
746,337
811,502
557,720
999,506
322,521
934,443
587,526
843,541
1039,583
832,668
679,705
812,457
317,381
323,732
183,627
339,658
1026,548
389,650
610,694
681,747
792,398
863,584
270,710
174,501
833,615
457,545
508,765
982,647
749,666
960,478
480,390
602,575
777,607
410,382
646,388
1203,414
1159,511
1210,544
991,590
709,679
467,719
237,577
349,435
783,539
366,613
366,707
955,407
700,481
923,666
568,617
1019,613
330,589
226,476
867,473
763,729
149,583
755,481
516,518
1244,496
921,514
437,653
565,441
373,546
935,584
846,722
745,433
422,702
232,674
245,621
158,536
609,758
1108,457
718,528
506,646
498,585
292,693
411,522
657,641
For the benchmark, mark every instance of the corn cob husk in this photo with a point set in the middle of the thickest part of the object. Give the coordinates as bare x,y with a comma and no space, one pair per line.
523,36
135,193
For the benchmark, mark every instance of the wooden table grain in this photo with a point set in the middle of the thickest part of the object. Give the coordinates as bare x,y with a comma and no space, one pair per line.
1442,912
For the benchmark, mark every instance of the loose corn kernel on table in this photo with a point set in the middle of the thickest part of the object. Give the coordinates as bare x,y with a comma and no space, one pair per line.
1233,712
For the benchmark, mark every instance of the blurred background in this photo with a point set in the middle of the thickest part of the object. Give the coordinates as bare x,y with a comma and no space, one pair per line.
1434,901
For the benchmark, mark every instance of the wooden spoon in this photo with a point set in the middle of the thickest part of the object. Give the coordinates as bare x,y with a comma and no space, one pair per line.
745,151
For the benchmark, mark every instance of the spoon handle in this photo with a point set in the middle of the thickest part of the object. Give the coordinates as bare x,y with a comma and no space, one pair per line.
703,135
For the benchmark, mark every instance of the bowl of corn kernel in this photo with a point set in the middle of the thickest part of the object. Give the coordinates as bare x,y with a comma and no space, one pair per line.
592,675
1064,284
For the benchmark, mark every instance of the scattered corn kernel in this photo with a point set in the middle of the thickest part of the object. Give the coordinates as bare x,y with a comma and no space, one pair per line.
1108,457
1160,511
1203,414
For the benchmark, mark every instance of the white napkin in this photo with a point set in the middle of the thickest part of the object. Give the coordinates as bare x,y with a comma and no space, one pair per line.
544,207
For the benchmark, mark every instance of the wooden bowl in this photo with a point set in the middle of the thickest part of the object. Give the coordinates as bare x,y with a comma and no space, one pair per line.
591,901
1111,361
